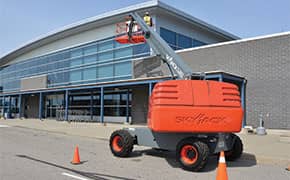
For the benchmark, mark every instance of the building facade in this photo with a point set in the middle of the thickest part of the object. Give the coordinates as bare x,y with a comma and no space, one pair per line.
81,73
263,61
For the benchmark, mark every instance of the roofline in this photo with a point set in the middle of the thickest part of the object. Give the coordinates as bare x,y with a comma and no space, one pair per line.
136,7
140,6
236,41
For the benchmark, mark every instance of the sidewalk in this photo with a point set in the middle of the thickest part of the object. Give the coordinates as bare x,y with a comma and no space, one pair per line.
273,148
91,130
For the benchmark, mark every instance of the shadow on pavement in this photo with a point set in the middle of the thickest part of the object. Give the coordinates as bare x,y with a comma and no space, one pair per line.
246,160
95,176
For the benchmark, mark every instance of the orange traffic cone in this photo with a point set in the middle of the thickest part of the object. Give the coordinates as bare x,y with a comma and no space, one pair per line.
76,158
222,168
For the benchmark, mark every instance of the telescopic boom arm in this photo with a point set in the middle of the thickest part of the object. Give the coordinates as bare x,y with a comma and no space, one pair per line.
161,48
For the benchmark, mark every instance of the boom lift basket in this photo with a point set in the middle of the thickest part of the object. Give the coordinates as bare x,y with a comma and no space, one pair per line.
122,37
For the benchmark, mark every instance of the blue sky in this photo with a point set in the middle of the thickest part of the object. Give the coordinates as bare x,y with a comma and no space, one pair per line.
24,20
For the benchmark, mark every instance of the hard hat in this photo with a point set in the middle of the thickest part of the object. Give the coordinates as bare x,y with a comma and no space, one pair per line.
147,13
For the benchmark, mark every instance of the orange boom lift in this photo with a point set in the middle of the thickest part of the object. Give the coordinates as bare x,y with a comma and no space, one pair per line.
194,118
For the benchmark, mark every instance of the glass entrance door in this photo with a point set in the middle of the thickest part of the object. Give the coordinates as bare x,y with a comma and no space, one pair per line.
54,106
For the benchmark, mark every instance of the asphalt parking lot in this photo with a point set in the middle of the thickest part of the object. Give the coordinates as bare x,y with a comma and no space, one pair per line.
34,154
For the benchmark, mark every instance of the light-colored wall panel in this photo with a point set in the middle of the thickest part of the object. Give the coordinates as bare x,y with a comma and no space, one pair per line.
33,83
71,41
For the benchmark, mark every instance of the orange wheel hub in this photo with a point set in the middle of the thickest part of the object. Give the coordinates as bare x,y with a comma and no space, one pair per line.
117,143
188,154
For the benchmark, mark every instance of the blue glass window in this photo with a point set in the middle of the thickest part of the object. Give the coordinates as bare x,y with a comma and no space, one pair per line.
106,56
76,53
43,66
90,73
75,76
90,59
118,45
106,45
122,69
90,49
105,72
60,78
184,42
178,41
196,43
124,52
76,62
103,60
140,50
169,37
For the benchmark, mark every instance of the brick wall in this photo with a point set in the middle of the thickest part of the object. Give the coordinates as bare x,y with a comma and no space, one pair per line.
265,62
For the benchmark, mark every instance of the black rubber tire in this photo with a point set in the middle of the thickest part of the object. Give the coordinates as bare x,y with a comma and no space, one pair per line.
202,157
237,150
127,142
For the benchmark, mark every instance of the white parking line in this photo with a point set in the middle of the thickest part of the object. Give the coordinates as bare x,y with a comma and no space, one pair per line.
73,176
2,126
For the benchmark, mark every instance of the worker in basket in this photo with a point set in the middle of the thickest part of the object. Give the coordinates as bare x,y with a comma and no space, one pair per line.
148,19
131,26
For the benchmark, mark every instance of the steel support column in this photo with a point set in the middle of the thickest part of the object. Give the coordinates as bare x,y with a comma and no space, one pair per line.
9,107
243,96
127,106
19,105
40,105
220,78
91,104
150,89
102,106
66,106
3,103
